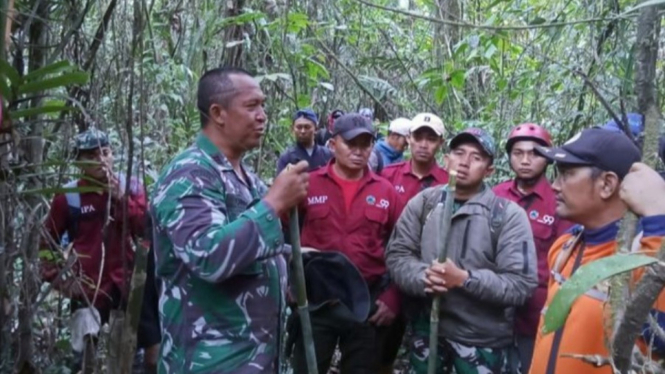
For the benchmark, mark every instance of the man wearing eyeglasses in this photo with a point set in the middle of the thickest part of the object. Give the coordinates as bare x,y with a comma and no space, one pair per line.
305,148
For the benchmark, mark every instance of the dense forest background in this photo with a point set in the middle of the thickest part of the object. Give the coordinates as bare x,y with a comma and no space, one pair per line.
131,68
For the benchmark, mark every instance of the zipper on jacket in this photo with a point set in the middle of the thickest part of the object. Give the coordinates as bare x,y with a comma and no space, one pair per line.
465,239
525,258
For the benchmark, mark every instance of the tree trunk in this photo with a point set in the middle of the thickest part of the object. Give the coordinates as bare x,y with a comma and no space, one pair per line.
636,310
32,148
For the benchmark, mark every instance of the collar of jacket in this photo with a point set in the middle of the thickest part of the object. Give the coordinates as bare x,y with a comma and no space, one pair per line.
209,148
483,200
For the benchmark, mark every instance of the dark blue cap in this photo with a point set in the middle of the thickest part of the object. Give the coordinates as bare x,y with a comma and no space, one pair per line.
635,124
605,149
306,113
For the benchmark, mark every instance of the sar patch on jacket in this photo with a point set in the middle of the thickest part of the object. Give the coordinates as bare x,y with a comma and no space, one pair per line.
533,214
371,200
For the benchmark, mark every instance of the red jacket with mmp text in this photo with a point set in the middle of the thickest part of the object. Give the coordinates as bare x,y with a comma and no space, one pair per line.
361,233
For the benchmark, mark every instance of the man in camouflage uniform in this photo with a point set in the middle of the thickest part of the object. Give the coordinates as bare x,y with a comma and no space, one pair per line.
218,239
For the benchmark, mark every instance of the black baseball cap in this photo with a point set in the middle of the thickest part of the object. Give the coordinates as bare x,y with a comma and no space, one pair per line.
605,149
352,125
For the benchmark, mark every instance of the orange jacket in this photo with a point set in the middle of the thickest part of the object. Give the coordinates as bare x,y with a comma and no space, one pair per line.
584,332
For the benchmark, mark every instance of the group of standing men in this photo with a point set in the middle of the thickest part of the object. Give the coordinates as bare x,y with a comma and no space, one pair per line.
369,241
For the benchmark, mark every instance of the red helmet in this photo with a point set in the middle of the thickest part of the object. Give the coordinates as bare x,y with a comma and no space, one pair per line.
528,131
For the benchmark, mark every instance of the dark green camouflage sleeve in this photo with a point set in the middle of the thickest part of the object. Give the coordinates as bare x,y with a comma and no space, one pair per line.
190,207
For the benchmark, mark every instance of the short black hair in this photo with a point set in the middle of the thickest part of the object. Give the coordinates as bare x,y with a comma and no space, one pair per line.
216,87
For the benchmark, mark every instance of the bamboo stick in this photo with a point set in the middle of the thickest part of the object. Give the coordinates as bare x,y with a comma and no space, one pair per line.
442,244
301,291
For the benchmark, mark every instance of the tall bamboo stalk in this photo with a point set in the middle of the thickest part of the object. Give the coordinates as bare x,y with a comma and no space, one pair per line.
442,246
301,290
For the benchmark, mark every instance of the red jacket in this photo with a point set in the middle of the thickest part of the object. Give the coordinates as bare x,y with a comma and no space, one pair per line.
408,184
540,206
88,240
360,234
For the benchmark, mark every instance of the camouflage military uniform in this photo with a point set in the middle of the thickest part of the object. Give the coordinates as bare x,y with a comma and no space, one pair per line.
454,357
221,255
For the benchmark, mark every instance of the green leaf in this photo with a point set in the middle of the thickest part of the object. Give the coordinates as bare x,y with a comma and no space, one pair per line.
457,78
584,278
440,94
296,22
489,51
537,21
50,69
39,110
60,81
9,72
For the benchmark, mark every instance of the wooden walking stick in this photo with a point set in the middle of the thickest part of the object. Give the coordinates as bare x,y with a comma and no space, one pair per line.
301,291
442,247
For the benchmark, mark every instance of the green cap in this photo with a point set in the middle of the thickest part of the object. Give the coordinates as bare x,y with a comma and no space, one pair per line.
91,139
477,135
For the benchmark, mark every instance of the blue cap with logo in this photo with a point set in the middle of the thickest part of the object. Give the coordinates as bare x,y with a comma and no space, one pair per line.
90,139
605,149
475,135
308,114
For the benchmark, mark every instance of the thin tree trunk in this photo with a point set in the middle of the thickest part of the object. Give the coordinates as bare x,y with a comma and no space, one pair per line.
635,311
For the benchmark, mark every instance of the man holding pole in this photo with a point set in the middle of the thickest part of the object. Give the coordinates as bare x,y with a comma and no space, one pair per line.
490,267
219,245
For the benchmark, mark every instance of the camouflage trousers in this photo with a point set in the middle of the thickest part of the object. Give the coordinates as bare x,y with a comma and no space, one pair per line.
454,357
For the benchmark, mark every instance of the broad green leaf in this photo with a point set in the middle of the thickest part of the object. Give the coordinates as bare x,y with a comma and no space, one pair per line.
457,78
50,69
489,51
296,22
9,72
61,81
584,278
440,94
39,110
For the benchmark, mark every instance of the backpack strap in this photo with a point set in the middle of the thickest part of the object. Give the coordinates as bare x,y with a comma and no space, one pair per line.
562,258
73,213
